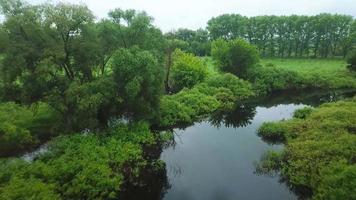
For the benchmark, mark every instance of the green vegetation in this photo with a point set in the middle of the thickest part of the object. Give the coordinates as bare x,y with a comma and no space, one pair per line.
287,36
196,42
351,60
22,127
235,56
281,74
320,149
89,166
65,77
218,92
187,70
138,77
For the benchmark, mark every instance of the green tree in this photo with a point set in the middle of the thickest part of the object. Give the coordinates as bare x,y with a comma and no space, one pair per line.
235,56
187,70
139,79
68,27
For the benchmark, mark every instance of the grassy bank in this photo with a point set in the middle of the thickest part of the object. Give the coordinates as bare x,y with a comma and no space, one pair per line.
320,73
320,149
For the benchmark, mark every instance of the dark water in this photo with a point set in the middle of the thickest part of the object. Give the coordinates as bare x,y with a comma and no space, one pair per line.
208,162
215,159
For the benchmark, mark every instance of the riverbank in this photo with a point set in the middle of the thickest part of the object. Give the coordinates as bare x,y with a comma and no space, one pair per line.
320,149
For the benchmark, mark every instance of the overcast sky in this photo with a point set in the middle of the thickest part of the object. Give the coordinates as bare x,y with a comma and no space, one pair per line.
193,14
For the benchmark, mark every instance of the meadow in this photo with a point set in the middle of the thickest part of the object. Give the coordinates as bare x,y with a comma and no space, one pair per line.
331,73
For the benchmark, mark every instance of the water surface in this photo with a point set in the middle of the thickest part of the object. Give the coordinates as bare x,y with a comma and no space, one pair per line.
215,159
210,162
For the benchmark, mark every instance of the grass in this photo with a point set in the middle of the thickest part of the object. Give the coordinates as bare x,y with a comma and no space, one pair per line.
331,72
320,149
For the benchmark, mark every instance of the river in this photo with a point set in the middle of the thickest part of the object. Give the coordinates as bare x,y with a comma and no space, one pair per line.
215,159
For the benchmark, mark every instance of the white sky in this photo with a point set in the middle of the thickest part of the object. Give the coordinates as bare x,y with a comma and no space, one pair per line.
194,14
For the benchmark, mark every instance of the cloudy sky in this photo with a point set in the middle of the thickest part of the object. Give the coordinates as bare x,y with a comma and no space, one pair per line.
193,14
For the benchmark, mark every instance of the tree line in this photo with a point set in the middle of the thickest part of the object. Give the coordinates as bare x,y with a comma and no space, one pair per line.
323,35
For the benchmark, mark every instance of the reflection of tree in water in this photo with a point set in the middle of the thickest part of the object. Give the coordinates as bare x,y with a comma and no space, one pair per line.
152,183
241,116
311,98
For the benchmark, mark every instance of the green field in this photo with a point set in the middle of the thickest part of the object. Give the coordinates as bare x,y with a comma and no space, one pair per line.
329,72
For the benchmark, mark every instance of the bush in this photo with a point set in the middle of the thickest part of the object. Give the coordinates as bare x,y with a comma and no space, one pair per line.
302,113
272,131
81,166
351,60
21,127
235,56
240,89
187,70
219,92
186,107
269,79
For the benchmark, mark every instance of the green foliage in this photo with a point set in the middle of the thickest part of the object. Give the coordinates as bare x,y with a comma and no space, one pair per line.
87,105
294,74
235,56
32,189
218,92
272,131
21,127
351,60
80,166
58,54
302,113
240,89
196,42
321,153
139,80
269,79
338,182
321,35
187,70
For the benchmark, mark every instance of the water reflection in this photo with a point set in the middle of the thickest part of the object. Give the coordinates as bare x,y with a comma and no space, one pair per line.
241,116
216,159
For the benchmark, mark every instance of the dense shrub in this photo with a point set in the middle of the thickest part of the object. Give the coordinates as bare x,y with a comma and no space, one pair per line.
269,79
272,131
21,127
235,56
302,113
321,153
240,89
338,182
189,105
187,70
80,166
